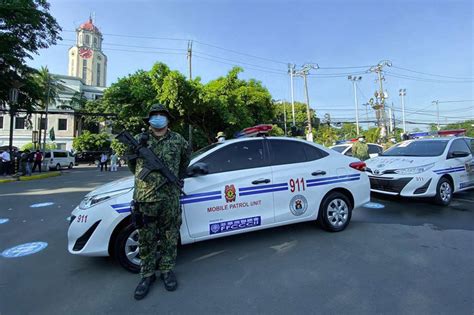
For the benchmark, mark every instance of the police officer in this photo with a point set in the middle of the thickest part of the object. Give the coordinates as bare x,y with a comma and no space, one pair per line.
220,136
360,149
158,201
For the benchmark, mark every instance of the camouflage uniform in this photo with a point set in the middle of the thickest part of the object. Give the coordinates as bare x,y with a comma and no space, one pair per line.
360,150
161,202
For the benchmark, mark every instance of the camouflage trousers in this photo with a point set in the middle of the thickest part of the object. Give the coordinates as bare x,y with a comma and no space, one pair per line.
161,235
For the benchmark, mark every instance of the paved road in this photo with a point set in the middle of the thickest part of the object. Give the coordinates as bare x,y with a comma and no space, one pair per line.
410,257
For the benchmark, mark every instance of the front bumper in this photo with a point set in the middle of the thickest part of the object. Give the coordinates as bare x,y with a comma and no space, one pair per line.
408,186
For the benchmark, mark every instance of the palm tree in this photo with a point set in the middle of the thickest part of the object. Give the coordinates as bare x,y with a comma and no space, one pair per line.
50,87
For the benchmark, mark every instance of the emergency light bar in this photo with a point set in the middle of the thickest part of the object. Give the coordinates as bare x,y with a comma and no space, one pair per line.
254,131
441,133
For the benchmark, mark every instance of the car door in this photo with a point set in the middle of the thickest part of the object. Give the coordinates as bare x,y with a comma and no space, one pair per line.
374,150
234,195
295,166
460,166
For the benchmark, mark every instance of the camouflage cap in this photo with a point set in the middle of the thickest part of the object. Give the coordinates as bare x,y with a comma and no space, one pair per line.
158,108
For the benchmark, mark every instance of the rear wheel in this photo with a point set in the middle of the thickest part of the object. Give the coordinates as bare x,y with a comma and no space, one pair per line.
70,165
335,212
126,249
444,192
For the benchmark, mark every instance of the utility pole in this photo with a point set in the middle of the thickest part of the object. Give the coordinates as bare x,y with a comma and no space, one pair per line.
390,129
402,93
190,57
291,71
304,73
380,96
46,117
354,80
437,111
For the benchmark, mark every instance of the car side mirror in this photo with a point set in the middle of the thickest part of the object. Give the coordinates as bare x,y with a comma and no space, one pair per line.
459,154
198,169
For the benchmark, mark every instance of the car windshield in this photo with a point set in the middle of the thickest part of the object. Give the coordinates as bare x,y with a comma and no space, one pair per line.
418,148
340,148
204,150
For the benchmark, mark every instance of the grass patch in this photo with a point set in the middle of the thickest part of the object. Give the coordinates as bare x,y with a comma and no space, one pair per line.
32,177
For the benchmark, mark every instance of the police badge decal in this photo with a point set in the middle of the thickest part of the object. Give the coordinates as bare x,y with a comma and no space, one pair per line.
229,193
298,205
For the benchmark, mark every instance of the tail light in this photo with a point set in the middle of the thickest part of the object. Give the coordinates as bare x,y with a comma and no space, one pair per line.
360,166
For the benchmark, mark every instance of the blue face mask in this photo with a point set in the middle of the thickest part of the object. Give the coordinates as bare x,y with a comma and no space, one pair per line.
158,121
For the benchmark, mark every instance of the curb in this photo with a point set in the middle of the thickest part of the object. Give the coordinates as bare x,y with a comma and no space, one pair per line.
32,177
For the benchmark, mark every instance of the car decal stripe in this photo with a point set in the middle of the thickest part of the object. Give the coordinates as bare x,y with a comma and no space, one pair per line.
185,201
121,205
263,191
263,187
449,169
124,210
332,182
332,178
210,193
460,169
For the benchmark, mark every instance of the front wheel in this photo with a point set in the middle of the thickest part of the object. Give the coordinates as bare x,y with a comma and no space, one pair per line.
335,212
444,192
70,166
126,249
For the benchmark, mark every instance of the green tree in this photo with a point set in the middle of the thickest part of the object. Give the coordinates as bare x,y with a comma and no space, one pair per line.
372,135
301,116
118,147
31,147
91,142
26,26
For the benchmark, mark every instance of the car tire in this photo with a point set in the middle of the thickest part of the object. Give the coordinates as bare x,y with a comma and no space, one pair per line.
444,192
127,242
58,167
335,212
71,165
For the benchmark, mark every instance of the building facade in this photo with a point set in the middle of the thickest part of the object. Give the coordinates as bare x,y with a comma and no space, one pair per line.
87,77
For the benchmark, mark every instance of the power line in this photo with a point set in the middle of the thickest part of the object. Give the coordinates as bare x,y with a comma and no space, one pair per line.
137,51
137,36
408,77
134,46
241,62
233,64
435,75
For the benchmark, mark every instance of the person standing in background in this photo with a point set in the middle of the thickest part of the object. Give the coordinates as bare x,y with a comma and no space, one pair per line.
38,158
113,162
103,162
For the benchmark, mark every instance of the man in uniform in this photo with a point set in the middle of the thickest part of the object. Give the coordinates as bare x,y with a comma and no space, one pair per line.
158,201
220,136
360,149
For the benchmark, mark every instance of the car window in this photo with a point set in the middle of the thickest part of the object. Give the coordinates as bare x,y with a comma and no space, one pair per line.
459,145
472,146
60,154
418,148
47,155
349,152
236,156
374,149
339,148
287,152
313,153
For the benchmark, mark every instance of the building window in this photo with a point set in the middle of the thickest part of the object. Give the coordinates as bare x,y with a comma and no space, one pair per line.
1,122
95,42
62,124
84,69
19,122
98,74
88,40
42,123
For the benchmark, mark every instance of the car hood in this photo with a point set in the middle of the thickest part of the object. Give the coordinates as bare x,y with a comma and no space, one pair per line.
382,163
119,184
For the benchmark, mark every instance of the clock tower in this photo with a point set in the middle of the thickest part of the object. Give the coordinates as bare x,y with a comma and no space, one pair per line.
86,59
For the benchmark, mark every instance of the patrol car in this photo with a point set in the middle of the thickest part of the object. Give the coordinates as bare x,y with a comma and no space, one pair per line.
233,187
428,167
346,149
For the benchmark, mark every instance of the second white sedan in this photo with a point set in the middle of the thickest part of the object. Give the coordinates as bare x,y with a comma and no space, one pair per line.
233,187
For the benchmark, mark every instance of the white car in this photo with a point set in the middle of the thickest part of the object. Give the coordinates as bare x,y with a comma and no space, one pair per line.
346,149
433,167
233,187
56,159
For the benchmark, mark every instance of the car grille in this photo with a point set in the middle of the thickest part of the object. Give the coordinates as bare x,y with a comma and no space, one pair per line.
377,172
389,185
82,241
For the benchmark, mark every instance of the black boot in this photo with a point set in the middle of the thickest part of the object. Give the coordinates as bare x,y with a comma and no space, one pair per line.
170,281
143,287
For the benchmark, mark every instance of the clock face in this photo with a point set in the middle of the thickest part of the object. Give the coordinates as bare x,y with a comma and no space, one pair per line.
85,53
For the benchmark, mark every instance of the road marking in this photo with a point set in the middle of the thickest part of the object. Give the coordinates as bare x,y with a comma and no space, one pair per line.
373,205
209,255
43,204
4,220
24,249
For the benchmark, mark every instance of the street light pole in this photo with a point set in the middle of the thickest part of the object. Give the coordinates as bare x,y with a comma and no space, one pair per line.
291,70
402,93
354,80
304,73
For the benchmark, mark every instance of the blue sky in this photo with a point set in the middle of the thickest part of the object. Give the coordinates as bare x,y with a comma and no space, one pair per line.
429,36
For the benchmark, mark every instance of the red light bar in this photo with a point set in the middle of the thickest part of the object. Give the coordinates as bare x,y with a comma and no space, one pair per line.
452,132
255,130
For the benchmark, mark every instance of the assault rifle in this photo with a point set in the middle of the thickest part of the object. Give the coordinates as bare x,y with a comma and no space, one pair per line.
152,163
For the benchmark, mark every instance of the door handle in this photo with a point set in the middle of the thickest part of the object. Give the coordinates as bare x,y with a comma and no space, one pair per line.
317,173
261,181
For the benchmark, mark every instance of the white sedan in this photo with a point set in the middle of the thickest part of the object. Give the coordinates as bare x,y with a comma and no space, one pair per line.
346,149
233,187
431,167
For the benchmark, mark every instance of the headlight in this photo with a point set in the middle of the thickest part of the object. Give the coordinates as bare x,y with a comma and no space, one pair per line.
414,170
91,201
